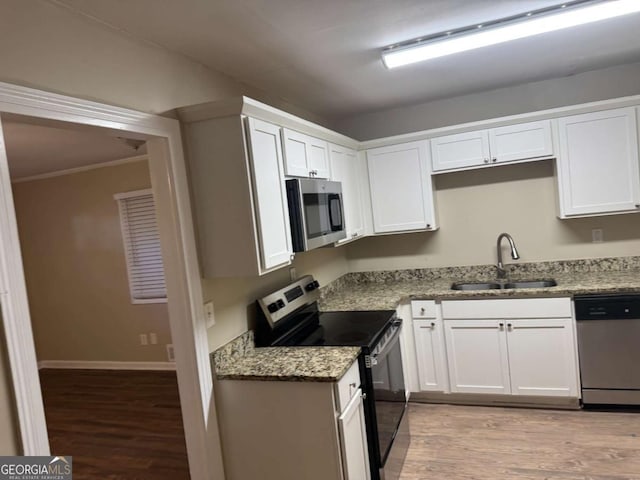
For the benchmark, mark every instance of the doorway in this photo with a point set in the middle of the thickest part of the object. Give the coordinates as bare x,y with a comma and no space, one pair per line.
97,297
170,188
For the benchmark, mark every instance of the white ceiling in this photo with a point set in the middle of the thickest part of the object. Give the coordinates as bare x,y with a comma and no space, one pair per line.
34,148
324,55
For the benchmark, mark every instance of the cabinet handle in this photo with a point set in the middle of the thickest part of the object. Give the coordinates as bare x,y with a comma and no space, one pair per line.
494,160
352,385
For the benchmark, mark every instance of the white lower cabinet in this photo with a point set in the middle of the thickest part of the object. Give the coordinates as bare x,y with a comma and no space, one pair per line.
278,430
429,343
477,356
511,346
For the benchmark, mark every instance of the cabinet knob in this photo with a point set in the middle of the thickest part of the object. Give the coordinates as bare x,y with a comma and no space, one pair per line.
637,205
501,325
486,160
494,160
422,310
428,225
433,324
509,325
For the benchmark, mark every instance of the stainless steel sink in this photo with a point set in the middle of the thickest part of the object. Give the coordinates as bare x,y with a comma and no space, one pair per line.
531,284
503,286
476,286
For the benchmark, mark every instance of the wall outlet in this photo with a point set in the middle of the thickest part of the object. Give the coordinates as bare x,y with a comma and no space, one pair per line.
143,339
293,275
153,339
208,314
170,353
597,235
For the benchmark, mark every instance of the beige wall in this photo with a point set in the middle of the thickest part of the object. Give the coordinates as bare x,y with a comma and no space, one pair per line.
49,47
591,86
234,298
476,206
75,268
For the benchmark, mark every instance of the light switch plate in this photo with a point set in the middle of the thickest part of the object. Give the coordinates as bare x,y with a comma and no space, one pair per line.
208,314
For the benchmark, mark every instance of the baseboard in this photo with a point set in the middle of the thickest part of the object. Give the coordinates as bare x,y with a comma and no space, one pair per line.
568,403
105,365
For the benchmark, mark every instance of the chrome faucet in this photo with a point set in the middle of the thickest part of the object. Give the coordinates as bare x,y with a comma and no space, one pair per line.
502,273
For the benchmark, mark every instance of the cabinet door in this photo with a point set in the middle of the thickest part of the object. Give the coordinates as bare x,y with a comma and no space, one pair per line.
462,150
477,356
270,195
353,440
429,341
305,156
318,155
344,169
542,358
521,141
598,163
295,153
401,188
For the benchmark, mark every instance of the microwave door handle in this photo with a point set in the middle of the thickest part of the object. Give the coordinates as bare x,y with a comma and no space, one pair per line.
335,226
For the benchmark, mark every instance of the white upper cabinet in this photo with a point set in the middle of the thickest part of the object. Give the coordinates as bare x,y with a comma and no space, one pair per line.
344,169
496,145
520,141
598,170
304,155
401,188
462,150
270,195
237,177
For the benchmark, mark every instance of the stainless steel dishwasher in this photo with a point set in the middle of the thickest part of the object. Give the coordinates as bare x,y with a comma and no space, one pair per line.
609,348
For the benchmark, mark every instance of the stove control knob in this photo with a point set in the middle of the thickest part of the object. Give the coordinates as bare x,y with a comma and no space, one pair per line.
272,307
312,286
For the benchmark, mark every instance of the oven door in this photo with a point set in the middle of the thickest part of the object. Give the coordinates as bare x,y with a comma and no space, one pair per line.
389,390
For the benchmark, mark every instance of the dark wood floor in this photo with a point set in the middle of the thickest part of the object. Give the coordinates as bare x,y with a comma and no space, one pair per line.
490,443
117,425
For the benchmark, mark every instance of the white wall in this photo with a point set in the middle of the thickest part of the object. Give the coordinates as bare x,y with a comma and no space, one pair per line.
619,81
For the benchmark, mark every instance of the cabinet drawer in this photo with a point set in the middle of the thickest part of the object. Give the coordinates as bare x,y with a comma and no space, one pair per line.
347,386
507,308
423,309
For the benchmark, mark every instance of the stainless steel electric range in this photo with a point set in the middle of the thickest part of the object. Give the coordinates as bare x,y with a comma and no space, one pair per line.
290,317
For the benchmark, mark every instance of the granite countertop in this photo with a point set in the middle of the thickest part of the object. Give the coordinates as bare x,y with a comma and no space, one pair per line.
294,364
385,290
240,360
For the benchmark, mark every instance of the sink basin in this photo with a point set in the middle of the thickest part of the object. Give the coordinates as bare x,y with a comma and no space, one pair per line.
531,284
476,286
503,286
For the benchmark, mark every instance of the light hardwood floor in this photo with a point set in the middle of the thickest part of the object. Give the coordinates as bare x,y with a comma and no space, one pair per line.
117,425
462,443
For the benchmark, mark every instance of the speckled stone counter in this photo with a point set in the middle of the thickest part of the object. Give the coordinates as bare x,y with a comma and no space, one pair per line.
385,290
297,364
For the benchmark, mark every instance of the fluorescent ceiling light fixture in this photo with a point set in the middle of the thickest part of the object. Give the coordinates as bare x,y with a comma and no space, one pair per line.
569,14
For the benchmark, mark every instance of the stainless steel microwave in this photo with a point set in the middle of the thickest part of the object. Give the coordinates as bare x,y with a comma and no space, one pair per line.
316,213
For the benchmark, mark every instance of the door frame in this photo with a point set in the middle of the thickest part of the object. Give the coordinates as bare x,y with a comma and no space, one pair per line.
184,290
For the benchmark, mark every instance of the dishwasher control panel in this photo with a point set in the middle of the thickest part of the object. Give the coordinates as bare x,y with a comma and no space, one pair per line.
607,307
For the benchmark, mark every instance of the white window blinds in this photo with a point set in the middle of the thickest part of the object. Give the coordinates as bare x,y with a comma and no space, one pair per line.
142,246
